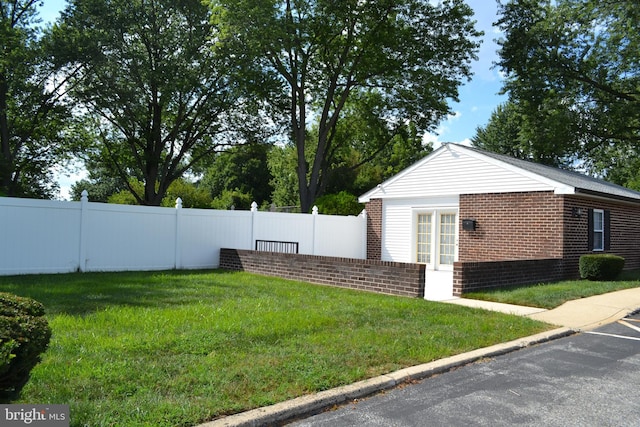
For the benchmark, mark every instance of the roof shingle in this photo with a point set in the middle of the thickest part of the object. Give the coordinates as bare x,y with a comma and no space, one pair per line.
582,183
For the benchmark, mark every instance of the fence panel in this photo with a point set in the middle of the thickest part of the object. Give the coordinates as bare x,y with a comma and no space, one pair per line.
204,232
130,238
38,236
340,236
285,227
41,236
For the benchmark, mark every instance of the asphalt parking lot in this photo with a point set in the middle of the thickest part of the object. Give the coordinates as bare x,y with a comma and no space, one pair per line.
587,379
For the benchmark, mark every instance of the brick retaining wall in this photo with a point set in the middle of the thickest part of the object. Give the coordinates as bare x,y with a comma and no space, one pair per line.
384,277
479,275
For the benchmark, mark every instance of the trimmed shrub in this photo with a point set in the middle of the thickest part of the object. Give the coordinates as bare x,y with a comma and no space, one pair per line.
600,266
24,336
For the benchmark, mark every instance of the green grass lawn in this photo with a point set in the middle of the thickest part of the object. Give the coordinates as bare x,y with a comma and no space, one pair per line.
180,348
551,295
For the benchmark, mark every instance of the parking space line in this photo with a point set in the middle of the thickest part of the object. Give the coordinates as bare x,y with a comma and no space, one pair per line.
635,328
612,335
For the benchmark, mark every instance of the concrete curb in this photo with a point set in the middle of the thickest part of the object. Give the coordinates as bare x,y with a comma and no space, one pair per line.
291,409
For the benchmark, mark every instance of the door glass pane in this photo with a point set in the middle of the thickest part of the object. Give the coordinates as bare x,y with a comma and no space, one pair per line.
447,248
424,238
598,230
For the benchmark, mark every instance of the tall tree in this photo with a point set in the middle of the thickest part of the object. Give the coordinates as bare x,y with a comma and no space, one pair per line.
584,54
542,134
366,153
366,150
101,183
319,53
159,97
32,116
243,169
282,161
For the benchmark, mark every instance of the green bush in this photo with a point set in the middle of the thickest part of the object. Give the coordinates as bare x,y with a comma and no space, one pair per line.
24,336
236,198
600,266
342,203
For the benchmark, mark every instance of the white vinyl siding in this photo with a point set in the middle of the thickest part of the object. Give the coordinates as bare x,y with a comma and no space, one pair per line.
397,232
456,171
400,225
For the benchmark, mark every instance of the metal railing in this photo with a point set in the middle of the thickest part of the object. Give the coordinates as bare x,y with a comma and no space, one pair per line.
277,246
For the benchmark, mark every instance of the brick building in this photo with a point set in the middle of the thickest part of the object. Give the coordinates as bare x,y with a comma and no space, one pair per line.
477,219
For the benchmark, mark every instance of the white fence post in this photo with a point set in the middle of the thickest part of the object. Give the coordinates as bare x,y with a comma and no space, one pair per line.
82,252
254,210
178,241
314,212
363,215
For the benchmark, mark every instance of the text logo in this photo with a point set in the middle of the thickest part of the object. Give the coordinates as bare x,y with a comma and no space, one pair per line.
34,415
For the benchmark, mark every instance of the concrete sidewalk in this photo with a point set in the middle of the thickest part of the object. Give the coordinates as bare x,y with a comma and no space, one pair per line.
573,316
591,312
518,310
581,314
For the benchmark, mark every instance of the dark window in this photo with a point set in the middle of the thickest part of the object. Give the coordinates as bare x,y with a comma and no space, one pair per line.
599,230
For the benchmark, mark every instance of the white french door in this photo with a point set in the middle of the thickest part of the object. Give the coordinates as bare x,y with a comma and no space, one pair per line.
447,246
437,239
437,247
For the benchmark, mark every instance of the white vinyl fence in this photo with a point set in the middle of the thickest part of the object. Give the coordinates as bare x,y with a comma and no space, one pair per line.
43,236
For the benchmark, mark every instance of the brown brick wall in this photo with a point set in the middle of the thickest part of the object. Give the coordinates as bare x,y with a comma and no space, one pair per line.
374,229
511,226
384,277
624,231
521,238
524,238
475,276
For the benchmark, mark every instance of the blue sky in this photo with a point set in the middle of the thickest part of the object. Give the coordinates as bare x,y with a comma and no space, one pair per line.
478,98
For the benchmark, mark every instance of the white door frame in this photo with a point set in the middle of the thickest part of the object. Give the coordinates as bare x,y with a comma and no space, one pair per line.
439,276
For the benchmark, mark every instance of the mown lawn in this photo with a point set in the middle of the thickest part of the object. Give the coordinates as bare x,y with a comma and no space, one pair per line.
551,295
180,348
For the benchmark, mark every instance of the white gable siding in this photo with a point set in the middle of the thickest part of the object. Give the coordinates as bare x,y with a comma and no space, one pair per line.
454,171
398,216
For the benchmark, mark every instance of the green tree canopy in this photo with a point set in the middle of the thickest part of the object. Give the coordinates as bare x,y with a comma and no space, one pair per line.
368,154
282,161
312,56
242,168
366,151
580,61
156,95
34,122
191,195
545,135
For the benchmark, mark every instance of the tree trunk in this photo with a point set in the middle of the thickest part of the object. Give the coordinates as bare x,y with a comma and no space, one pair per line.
5,153
153,197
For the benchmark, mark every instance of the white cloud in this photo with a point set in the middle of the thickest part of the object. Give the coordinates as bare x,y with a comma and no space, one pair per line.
436,142
435,138
432,139
445,125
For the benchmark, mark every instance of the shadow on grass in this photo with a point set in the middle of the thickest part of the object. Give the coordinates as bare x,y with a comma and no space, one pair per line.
86,293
